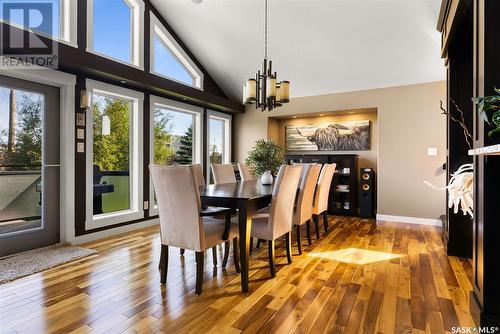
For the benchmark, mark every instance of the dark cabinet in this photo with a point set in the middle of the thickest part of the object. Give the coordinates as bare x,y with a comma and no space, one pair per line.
470,31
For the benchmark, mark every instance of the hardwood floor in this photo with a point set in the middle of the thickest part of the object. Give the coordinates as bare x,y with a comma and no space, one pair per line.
394,278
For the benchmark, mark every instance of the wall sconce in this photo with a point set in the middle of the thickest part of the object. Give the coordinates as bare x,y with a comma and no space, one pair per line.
84,99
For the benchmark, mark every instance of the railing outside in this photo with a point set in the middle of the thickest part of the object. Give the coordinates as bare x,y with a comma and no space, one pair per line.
20,192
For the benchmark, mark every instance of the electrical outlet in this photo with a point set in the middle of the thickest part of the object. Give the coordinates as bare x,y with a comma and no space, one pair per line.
146,205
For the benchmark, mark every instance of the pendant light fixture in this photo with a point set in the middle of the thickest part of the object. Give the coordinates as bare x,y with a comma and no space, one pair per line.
265,90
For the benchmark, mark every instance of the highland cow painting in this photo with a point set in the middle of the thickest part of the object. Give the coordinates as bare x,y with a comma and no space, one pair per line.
342,136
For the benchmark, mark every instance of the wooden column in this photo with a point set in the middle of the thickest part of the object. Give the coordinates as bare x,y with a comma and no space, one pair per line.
485,298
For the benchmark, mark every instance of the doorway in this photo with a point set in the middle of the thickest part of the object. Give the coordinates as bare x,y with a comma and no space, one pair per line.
29,165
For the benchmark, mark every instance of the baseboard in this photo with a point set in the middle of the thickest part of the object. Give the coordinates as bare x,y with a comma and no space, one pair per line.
410,220
112,232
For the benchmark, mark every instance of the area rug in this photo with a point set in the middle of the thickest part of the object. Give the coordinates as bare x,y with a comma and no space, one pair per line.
37,260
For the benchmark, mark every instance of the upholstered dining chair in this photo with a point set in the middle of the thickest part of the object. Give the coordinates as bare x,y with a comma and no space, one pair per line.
245,172
304,203
320,205
200,181
223,173
279,221
183,223
198,175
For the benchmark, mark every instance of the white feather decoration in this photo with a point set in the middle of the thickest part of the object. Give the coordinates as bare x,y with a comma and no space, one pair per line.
460,190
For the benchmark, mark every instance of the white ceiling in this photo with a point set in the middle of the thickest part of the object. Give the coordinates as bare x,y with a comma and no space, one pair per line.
321,46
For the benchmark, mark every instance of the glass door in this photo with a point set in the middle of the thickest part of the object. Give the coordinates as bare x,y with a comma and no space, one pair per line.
29,165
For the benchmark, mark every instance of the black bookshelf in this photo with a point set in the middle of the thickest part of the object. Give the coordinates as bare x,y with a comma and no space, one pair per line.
343,198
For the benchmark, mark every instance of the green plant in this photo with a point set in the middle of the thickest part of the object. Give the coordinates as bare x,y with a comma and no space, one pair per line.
488,108
266,155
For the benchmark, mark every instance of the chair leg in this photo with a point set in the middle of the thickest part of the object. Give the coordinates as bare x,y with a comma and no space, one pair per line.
214,256
182,251
299,244
288,243
236,255
162,257
200,257
251,245
227,245
163,264
308,231
272,266
325,220
316,225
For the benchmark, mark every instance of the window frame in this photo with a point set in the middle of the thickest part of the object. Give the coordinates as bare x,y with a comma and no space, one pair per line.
197,113
157,28
136,210
137,33
68,24
226,158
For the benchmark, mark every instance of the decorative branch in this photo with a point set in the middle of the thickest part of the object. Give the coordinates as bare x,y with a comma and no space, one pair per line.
461,121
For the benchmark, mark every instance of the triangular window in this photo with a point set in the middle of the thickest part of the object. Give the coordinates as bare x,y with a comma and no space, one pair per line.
169,60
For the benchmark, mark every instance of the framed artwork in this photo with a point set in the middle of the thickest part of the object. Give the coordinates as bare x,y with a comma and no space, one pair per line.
341,136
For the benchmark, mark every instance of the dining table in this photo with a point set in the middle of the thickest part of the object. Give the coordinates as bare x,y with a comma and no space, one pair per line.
247,197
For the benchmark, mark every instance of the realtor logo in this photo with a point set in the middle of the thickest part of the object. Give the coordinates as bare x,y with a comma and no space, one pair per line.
26,35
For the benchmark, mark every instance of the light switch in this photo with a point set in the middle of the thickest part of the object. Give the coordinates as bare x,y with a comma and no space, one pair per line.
80,134
432,151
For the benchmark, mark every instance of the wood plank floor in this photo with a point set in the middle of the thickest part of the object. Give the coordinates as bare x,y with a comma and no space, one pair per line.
358,278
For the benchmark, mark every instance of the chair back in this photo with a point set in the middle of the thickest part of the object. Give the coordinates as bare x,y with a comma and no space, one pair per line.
245,172
283,200
198,175
305,197
323,188
223,173
179,206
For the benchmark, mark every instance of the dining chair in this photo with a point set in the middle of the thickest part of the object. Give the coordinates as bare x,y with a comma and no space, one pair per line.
184,224
198,175
223,173
304,203
245,172
279,221
320,205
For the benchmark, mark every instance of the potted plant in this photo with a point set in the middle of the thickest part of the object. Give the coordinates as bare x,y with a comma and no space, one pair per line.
488,108
265,159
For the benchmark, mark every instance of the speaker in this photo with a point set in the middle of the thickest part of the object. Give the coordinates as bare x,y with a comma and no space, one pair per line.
367,202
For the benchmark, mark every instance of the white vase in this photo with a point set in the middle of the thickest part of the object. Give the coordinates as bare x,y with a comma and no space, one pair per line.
267,177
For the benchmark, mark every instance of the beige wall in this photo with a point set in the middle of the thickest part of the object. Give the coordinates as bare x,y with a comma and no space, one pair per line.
409,121
366,158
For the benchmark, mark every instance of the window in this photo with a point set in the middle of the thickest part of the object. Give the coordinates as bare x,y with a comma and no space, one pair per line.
114,156
54,18
219,139
169,60
175,135
119,38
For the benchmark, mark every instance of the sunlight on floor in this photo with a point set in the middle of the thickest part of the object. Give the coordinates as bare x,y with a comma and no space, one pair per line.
356,256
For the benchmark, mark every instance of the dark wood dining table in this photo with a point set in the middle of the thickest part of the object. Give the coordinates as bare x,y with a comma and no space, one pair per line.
247,197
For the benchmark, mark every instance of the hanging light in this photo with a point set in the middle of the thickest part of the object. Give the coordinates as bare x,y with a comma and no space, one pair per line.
106,126
265,90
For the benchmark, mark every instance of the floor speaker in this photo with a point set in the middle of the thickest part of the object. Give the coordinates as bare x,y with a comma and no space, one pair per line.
367,193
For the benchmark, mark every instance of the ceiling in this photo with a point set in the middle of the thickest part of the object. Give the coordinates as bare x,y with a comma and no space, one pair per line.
320,46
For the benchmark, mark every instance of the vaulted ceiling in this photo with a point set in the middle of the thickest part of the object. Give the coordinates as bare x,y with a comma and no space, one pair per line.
321,46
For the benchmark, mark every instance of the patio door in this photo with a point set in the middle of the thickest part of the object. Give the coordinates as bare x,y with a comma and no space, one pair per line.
29,165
